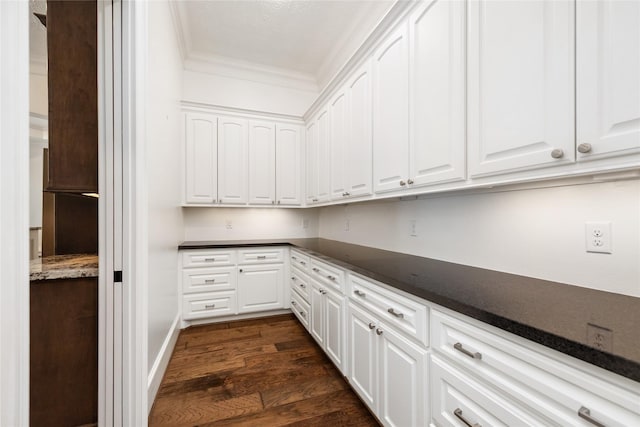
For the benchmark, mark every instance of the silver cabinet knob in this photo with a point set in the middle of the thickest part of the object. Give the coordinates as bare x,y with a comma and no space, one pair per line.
402,183
409,181
293,303
273,202
379,331
241,270
278,201
293,278
371,326
584,148
557,153
303,286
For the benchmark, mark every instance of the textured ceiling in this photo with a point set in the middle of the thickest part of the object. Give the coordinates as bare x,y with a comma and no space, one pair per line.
296,35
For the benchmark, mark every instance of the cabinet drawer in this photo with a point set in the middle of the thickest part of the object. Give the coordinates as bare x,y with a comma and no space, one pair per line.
549,386
198,306
327,274
406,315
261,256
458,399
300,282
208,258
299,260
198,280
300,308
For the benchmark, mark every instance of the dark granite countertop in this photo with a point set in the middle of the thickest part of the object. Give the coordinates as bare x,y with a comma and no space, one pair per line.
553,314
64,267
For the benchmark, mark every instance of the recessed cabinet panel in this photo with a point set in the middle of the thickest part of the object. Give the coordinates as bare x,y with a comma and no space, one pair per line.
260,288
311,152
262,163
521,85
212,304
391,112
324,161
288,164
608,78
363,352
201,158
316,325
208,279
334,324
358,158
339,141
232,160
437,80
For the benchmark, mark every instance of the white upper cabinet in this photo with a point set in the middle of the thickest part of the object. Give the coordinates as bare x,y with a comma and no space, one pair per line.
520,85
311,154
232,160
608,78
288,164
339,140
391,112
437,96
324,159
201,158
262,163
358,151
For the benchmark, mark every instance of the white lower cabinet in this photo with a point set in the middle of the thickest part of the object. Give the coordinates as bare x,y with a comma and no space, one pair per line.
260,287
387,370
327,322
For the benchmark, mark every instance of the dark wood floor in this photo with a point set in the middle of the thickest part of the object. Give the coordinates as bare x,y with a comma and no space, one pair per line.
260,372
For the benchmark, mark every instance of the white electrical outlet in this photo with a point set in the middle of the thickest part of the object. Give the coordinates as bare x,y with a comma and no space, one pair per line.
413,230
229,224
598,236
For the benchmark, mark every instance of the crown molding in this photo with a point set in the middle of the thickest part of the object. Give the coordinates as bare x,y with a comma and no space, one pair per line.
201,107
179,18
251,71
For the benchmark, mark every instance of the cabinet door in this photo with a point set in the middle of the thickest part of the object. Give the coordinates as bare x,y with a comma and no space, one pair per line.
324,160
521,85
201,158
311,153
338,143
437,80
334,324
232,160
402,382
316,326
359,147
262,163
260,287
391,112
608,78
288,164
363,352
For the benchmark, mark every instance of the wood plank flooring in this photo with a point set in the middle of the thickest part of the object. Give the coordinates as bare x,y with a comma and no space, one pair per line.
258,372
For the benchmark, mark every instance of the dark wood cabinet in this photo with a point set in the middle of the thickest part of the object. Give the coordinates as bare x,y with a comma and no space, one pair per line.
64,352
73,95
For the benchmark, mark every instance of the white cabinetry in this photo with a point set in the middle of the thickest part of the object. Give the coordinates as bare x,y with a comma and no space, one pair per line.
201,158
520,80
262,163
233,139
437,96
311,163
289,180
391,112
260,287
318,158
608,78
339,139
388,370
327,322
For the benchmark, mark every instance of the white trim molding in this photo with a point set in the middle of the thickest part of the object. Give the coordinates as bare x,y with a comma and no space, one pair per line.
14,213
162,361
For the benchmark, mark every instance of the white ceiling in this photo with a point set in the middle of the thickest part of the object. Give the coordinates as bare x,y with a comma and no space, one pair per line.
37,37
300,39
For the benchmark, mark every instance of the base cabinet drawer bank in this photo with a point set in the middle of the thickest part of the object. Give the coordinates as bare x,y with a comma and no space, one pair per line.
412,362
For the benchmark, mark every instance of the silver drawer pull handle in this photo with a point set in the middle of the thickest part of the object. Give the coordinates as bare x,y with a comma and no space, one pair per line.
209,259
293,278
395,313
209,280
303,286
585,414
303,263
379,331
292,257
371,326
331,278
209,306
293,303
458,346
458,413
315,269
302,313
359,293
262,257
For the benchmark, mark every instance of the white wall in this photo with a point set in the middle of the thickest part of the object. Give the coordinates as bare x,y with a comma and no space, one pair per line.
245,94
38,94
249,223
164,91
538,233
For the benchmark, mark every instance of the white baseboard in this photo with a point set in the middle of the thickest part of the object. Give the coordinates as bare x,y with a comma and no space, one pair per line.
232,317
160,364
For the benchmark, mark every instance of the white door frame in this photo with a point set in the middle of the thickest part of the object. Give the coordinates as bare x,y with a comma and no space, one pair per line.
14,213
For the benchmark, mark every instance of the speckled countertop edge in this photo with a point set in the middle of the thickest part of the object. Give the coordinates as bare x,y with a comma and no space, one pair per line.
63,267
608,361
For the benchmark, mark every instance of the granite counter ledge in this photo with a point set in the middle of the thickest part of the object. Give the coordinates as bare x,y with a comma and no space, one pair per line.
549,313
63,267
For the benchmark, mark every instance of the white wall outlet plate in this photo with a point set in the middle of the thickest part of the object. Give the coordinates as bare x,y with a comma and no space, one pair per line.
598,236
